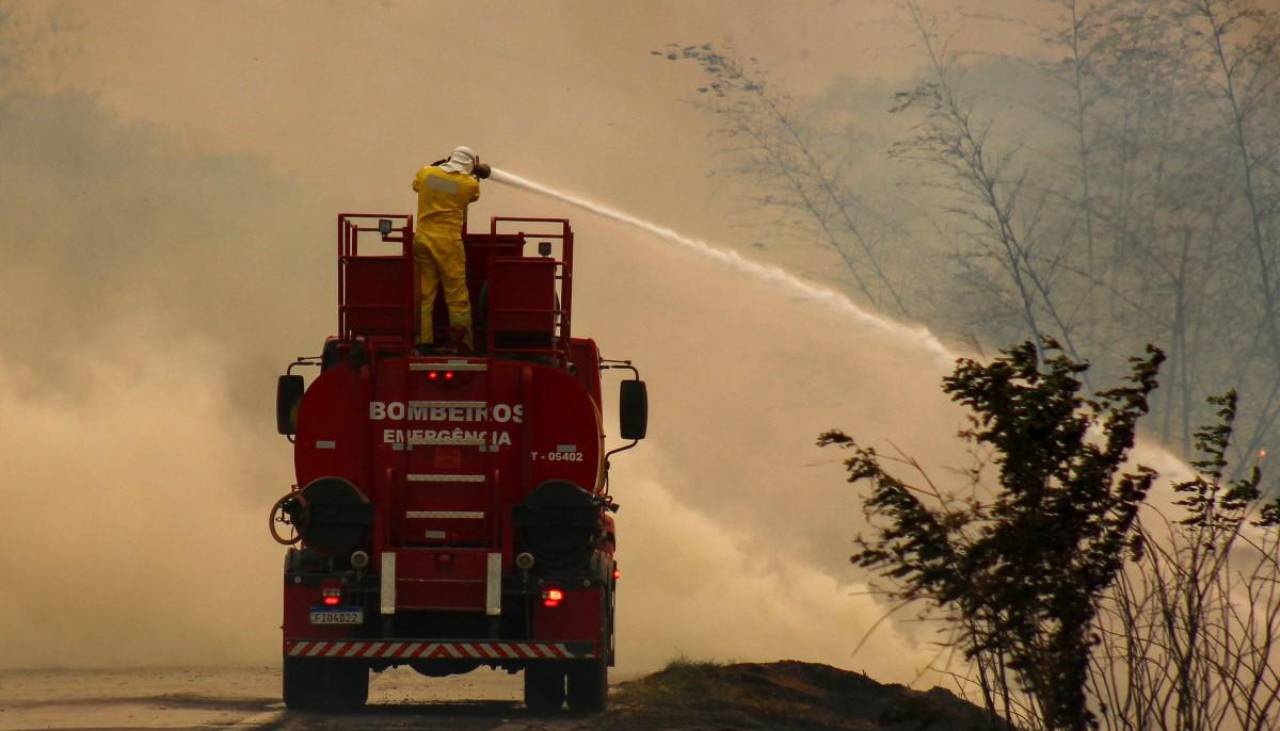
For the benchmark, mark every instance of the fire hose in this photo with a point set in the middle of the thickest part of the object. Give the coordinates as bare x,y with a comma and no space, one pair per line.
290,510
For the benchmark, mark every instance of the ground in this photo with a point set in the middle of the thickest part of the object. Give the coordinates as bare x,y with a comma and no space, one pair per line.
686,696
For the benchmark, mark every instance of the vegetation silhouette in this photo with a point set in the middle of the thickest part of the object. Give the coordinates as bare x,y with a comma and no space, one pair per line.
1076,600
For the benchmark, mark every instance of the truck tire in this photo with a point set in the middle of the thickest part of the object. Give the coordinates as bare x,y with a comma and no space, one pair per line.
544,687
588,685
325,685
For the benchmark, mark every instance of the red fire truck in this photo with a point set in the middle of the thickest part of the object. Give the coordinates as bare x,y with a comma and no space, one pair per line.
452,511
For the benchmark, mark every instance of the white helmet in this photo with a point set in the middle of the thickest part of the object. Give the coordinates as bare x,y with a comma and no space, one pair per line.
463,160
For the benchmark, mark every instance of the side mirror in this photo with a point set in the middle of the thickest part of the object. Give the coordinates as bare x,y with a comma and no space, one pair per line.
288,398
633,410
384,226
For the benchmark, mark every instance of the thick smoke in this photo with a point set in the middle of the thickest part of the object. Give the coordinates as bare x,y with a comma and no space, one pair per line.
145,320
128,538
140,458
692,588
159,274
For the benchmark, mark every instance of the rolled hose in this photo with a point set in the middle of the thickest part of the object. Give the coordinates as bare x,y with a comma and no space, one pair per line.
330,514
292,510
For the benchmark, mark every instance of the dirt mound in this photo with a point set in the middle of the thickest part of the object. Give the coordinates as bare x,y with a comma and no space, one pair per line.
689,696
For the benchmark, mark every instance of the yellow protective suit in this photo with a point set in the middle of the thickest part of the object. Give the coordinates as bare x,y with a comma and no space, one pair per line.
443,197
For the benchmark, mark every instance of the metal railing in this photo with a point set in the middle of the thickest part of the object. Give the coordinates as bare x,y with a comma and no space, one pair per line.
351,227
560,312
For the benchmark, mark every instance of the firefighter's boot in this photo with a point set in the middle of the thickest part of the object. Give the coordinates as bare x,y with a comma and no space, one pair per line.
460,339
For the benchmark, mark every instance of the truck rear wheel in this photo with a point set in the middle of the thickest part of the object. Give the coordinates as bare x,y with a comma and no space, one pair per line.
544,687
588,685
325,685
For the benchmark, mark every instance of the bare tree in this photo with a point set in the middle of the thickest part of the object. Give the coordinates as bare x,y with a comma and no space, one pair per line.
1243,43
952,136
780,152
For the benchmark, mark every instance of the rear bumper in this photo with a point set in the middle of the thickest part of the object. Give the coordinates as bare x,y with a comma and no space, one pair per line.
481,651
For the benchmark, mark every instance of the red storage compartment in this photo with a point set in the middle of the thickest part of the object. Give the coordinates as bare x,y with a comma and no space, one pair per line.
376,296
522,306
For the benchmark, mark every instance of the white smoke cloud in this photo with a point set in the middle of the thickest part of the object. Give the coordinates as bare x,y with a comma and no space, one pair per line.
128,535
691,588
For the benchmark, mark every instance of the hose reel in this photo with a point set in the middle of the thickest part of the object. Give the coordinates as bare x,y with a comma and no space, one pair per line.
330,514
290,510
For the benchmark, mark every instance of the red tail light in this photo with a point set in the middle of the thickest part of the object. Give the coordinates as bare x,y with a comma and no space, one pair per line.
617,574
331,595
551,598
433,375
448,375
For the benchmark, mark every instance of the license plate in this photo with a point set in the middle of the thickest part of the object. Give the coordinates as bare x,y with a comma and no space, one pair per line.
337,616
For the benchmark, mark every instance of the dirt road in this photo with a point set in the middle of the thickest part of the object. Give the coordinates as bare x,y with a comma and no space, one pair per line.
250,698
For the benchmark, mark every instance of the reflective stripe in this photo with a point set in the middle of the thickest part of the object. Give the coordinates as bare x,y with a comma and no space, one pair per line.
444,185
449,443
419,477
388,583
493,586
408,650
566,447
326,444
446,514
451,366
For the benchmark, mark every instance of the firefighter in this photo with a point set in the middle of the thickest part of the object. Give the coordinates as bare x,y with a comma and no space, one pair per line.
444,189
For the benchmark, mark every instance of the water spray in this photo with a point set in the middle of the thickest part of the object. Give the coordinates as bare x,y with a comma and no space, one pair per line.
732,259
